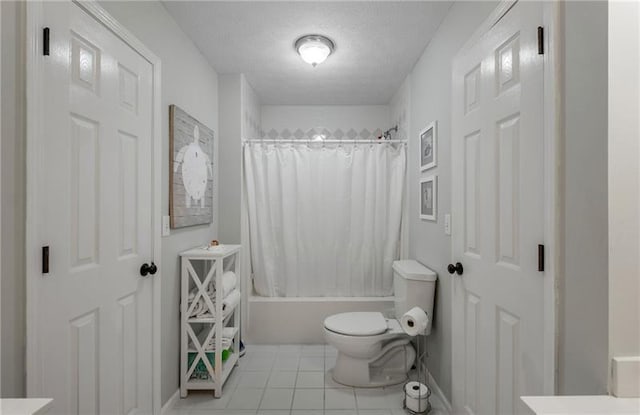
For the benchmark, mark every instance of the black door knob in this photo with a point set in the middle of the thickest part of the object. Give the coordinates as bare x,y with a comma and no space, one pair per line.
148,269
455,269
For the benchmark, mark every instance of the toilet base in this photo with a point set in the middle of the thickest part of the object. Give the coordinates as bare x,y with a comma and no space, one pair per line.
390,368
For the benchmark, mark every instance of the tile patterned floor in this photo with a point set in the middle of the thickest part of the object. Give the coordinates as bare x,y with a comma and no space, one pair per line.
293,380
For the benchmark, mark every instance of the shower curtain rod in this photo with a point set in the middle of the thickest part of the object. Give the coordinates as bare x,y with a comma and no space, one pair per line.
296,141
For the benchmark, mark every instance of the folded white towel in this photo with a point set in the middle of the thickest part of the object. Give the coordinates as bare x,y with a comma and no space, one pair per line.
229,282
201,310
231,301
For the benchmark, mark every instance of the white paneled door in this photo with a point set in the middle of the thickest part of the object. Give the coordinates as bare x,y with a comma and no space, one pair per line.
498,200
94,309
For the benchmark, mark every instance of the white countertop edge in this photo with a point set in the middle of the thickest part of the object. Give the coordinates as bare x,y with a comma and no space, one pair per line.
25,406
566,405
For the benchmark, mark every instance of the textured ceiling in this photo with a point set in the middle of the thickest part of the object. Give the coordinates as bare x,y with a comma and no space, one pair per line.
377,44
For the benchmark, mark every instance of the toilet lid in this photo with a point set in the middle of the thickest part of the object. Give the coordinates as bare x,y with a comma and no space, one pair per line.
357,324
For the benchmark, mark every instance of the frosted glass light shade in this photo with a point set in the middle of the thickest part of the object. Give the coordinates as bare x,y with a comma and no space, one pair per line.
314,49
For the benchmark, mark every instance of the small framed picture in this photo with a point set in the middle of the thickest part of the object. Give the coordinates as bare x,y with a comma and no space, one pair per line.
428,146
429,198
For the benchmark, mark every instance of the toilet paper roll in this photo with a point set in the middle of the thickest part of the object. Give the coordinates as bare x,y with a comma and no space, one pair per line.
414,321
416,390
417,396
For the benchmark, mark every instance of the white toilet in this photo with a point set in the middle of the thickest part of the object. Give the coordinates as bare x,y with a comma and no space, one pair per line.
374,351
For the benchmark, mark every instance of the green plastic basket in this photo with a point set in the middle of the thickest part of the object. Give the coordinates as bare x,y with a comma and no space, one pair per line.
201,372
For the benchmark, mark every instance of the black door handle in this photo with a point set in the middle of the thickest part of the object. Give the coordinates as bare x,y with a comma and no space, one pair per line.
148,269
455,269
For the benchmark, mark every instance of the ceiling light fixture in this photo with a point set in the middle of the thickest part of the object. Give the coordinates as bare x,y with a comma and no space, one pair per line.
314,49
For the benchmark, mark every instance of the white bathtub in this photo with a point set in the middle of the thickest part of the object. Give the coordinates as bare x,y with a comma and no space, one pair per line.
278,320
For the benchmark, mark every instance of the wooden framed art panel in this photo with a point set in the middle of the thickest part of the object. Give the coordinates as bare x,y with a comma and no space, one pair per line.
190,170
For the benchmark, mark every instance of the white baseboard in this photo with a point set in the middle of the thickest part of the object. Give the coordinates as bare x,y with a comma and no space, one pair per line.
435,390
625,377
171,402
438,392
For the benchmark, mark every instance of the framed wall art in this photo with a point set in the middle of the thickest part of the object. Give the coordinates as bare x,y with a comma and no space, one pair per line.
429,146
190,170
429,198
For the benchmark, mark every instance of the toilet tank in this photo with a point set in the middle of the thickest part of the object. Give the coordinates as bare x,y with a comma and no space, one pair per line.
414,285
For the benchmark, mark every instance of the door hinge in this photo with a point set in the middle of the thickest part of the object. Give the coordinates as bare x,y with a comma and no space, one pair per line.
540,40
45,259
540,258
45,41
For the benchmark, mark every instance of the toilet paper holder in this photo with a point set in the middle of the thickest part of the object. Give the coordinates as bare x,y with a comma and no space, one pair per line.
422,401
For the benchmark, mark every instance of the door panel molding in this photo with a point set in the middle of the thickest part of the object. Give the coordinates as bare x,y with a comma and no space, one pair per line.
35,21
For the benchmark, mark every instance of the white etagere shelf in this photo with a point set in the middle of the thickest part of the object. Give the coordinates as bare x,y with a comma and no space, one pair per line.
202,271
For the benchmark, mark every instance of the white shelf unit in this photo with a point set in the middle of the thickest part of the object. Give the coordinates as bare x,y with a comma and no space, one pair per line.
202,268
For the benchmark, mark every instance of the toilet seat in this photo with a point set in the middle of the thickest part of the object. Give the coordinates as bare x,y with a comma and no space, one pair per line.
357,323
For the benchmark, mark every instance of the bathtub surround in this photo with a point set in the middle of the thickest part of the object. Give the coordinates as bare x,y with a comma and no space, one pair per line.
304,316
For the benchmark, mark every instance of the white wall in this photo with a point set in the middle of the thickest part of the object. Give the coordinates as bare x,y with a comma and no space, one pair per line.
399,110
240,117
251,111
278,118
13,176
189,82
429,93
624,191
231,124
583,295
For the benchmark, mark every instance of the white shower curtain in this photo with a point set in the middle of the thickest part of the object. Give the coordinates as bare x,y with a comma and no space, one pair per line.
324,220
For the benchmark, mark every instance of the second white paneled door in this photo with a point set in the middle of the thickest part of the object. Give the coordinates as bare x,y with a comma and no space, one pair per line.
94,309
498,200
